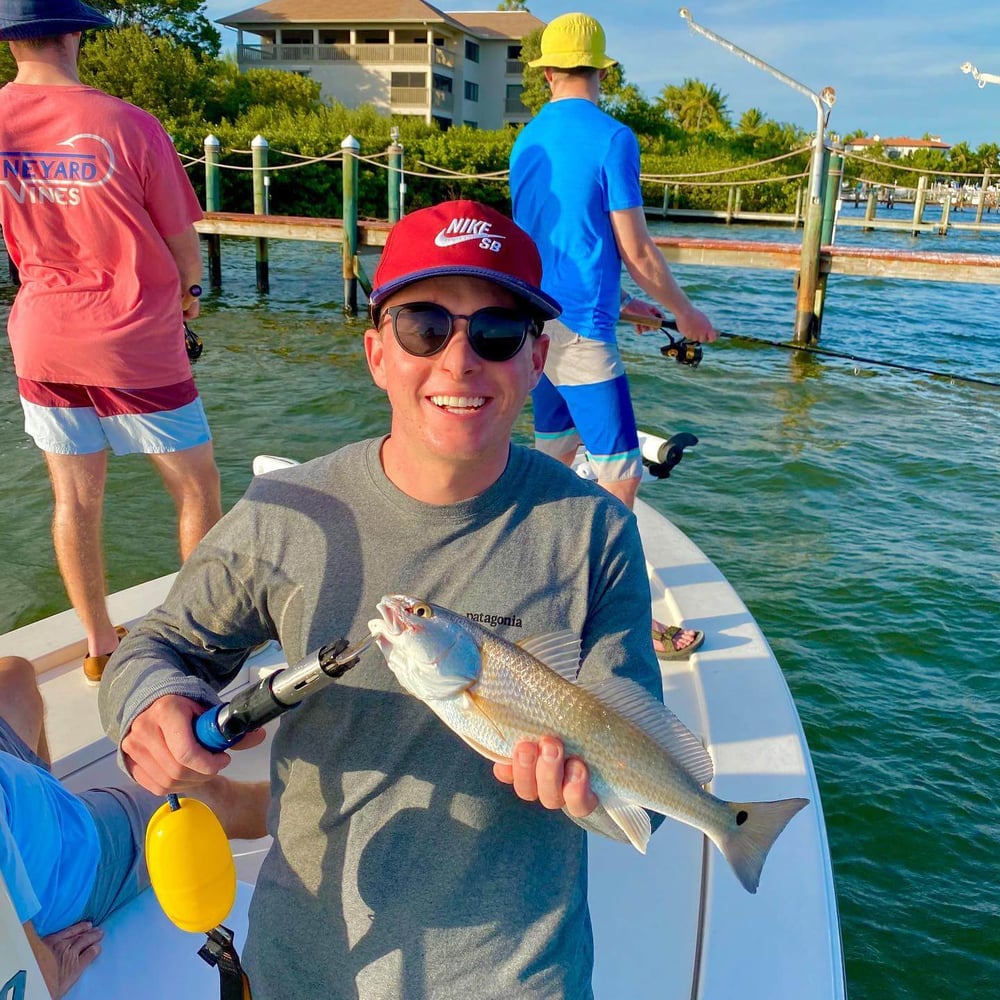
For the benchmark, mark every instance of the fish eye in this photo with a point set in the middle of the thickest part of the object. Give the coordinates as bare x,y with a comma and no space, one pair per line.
421,610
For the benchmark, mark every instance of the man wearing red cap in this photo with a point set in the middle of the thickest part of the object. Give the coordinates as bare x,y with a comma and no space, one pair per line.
401,866
98,217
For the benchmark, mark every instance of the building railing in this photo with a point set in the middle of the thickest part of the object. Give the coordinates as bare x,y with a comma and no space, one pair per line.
513,106
366,55
514,67
408,97
444,100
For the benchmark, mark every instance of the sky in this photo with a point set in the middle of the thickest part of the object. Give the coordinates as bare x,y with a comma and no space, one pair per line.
895,64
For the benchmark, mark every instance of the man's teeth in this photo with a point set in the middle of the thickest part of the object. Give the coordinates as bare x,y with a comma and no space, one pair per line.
459,402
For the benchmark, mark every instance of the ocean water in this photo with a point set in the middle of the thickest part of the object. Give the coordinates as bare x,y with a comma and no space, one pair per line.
855,508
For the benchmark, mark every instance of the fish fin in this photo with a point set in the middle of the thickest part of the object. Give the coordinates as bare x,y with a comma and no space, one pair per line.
559,651
632,820
474,704
757,827
600,822
636,704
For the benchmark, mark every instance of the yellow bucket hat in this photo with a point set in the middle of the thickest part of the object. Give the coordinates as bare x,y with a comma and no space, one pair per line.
573,40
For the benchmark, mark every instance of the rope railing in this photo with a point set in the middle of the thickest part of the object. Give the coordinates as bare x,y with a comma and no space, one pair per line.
752,182
727,170
903,168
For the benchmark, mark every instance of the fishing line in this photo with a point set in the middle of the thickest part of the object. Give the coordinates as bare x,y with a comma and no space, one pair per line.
676,349
857,357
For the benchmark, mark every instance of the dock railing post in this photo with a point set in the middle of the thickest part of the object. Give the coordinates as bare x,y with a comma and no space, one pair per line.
919,201
258,152
729,205
395,172
831,196
807,319
982,197
350,147
213,203
870,207
945,213
666,199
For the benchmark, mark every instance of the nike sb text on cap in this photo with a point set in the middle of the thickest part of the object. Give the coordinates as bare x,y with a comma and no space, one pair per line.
464,238
24,19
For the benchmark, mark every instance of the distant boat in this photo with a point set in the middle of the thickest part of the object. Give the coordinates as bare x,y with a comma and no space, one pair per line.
674,924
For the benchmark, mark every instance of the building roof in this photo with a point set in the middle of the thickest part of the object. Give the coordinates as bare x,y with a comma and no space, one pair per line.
901,142
336,11
498,24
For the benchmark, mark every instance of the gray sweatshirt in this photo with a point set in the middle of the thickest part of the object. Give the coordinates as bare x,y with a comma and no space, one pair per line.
400,868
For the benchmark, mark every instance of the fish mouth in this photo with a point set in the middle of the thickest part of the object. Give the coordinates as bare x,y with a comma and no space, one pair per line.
392,622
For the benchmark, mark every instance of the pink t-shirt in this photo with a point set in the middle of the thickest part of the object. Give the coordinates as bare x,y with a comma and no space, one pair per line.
89,188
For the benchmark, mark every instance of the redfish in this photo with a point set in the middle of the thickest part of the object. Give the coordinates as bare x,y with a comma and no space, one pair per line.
494,693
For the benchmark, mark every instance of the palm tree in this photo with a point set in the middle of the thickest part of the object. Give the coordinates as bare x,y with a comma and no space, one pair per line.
695,106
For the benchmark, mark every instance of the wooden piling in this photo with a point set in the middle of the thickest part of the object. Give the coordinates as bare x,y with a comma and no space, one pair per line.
258,152
729,205
945,214
870,207
982,197
807,320
213,203
666,199
919,201
831,197
350,148
397,185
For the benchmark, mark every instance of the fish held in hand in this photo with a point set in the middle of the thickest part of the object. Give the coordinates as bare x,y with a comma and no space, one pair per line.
494,694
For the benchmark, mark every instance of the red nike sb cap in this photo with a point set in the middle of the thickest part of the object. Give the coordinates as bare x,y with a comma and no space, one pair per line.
464,238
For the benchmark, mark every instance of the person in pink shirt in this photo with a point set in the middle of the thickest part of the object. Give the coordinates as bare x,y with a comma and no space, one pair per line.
98,217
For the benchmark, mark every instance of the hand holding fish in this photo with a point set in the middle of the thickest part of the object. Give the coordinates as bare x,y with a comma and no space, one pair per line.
541,772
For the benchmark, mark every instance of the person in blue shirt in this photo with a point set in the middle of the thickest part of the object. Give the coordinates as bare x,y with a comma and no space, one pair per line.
69,860
574,181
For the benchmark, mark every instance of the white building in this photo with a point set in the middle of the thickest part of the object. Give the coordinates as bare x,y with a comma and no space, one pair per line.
404,57
897,147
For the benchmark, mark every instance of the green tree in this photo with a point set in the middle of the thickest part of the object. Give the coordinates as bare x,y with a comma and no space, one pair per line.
695,106
184,21
513,5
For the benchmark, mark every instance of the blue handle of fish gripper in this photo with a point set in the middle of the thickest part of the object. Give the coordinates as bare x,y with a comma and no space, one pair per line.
208,733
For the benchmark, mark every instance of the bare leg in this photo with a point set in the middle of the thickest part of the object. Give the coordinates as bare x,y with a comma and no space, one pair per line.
241,806
192,479
78,487
21,703
624,489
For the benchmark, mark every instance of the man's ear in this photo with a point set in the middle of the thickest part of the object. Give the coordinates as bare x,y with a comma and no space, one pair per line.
375,356
539,352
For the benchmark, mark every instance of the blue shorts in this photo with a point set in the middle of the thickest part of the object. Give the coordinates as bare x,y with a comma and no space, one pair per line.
583,397
66,419
120,816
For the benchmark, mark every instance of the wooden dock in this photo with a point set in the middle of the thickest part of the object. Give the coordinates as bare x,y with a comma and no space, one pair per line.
878,262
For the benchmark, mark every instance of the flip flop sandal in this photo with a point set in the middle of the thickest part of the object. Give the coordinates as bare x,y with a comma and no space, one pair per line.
93,666
666,637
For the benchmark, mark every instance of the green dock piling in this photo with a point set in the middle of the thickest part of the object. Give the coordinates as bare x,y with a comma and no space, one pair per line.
350,148
213,203
831,195
395,173
258,151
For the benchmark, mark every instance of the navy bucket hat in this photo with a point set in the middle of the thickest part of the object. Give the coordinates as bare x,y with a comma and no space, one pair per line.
24,19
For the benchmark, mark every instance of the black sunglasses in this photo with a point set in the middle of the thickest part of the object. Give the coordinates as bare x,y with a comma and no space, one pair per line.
496,334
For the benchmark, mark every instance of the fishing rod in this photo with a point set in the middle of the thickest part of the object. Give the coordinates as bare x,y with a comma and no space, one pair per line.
688,352
225,725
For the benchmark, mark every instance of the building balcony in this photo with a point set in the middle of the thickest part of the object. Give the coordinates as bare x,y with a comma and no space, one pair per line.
364,55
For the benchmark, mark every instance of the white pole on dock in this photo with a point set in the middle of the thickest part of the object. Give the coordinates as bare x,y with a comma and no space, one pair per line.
807,318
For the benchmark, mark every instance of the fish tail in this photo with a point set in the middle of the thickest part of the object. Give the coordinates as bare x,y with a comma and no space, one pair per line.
757,825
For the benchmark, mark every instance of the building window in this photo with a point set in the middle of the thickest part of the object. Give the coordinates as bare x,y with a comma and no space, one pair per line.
471,124
513,51
296,36
409,80
471,91
471,51
442,83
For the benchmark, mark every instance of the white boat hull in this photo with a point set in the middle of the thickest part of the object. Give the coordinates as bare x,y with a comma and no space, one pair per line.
673,924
